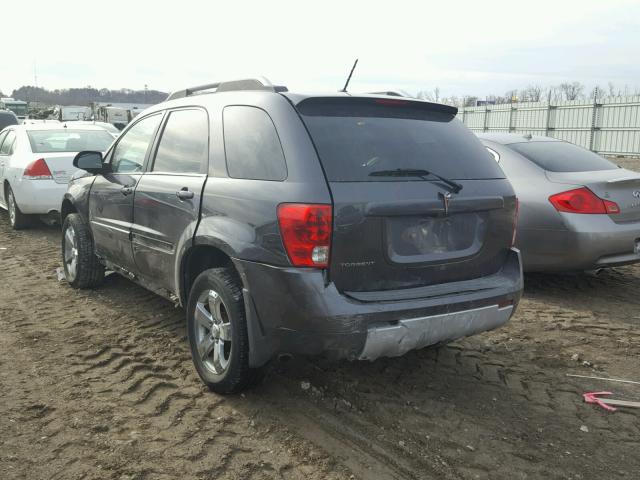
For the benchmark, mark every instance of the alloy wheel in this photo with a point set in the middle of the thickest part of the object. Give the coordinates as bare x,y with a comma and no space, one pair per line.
12,207
213,332
70,253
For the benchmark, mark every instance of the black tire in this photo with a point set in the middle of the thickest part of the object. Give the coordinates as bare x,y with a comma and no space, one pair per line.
17,219
89,272
236,375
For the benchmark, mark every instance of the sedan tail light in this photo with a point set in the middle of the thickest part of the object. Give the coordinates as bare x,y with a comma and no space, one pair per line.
37,170
306,233
583,200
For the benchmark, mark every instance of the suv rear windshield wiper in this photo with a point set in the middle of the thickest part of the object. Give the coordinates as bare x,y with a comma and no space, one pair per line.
411,172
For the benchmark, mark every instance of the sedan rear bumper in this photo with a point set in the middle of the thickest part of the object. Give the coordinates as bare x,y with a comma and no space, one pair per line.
590,242
38,196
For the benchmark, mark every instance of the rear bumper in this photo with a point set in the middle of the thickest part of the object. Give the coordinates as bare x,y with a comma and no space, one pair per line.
395,339
292,310
590,242
38,196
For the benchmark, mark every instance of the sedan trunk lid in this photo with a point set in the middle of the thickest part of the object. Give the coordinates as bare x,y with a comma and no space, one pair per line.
61,165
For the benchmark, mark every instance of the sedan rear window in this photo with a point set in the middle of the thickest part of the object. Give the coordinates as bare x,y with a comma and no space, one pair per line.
356,139
64,140
562,157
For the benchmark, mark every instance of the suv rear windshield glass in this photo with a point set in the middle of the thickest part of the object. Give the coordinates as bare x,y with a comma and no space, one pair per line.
562,157
49,141
355,139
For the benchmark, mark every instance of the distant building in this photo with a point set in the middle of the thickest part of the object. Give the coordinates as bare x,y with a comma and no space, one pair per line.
16,106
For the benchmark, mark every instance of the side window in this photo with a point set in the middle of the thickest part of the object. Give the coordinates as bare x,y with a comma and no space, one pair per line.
252,146
129,153
184,145
7,145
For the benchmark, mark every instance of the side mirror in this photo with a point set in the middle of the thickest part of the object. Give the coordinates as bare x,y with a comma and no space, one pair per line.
89,161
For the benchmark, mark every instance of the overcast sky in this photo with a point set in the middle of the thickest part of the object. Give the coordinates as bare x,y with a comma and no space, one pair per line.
462,47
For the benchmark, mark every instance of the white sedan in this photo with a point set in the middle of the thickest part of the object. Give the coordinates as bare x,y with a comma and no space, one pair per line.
36,163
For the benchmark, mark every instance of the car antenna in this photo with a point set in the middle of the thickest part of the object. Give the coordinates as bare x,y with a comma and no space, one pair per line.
344,89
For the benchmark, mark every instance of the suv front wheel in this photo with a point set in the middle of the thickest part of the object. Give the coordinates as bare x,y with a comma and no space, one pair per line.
217,331
82,269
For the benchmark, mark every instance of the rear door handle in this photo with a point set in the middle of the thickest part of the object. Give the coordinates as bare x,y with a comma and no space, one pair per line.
184,194
126,190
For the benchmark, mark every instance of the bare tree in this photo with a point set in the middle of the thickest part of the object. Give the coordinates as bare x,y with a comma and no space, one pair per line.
470,101
612,89
430,95
511,96
572,90
533,93
452,100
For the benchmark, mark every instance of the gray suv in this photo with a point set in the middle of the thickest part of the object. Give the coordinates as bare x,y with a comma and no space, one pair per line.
351,226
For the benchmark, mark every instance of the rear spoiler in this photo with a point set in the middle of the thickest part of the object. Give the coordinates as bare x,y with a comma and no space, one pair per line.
395,102
624,180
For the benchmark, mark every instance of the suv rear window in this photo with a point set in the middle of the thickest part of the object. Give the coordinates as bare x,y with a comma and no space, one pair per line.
562,157
355,138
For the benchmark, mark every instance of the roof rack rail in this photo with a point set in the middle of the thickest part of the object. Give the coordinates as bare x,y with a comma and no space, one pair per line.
259,83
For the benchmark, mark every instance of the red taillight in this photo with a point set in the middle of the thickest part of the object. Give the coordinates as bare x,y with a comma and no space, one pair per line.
306,233
515,223
583,200
37,170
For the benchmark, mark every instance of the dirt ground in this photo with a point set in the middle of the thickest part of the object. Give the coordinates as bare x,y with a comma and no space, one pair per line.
100,385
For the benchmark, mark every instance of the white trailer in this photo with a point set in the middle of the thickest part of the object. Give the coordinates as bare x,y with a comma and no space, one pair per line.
66,113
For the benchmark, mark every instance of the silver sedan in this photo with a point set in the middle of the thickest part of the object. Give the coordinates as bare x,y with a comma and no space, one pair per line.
578,211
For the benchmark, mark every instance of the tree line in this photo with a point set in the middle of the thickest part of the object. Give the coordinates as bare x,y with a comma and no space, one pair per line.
532,93
86,95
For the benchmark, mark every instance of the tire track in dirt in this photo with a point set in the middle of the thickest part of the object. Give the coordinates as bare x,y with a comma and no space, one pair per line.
126,400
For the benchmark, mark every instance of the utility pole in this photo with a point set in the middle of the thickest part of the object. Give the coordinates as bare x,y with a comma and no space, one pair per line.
35,81
594,118
146,87
548,126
